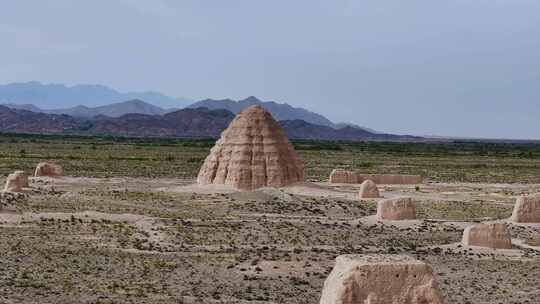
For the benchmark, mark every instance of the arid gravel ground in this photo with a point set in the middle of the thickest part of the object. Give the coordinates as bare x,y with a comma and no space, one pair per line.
160,240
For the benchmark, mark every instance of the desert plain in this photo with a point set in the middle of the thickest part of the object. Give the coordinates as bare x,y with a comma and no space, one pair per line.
126,224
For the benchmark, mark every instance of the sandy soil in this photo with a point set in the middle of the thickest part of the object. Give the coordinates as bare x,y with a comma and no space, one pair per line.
130,240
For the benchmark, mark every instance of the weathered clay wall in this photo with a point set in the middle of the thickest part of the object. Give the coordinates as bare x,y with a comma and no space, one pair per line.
527,210
380,279
494,236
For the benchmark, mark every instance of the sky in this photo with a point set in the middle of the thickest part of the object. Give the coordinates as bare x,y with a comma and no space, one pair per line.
466,68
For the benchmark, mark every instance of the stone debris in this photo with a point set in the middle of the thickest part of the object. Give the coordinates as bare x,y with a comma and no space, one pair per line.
494,235
253,152
16,182
368,189
339,176
527,210
49,169
396,209
380,279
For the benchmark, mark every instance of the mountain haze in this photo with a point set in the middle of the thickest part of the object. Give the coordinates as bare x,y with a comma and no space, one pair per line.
28,107
112,110
59,96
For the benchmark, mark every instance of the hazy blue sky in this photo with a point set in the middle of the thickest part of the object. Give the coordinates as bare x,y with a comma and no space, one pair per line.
446,67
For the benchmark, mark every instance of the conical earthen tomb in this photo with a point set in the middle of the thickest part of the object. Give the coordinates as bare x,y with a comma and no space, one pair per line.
253,152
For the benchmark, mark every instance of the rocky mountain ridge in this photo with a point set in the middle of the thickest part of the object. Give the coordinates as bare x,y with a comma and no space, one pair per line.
189,122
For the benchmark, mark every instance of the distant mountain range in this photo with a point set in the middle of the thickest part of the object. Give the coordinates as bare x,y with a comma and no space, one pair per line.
113,110
279,111
189,122
93,100
59,96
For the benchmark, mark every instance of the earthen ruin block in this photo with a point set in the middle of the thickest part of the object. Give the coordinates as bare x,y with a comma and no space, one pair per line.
380,279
